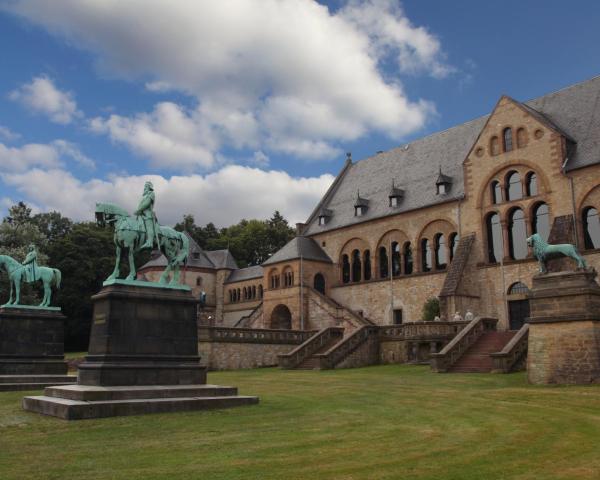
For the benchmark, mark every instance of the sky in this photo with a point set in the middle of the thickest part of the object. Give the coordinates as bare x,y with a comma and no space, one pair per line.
239,108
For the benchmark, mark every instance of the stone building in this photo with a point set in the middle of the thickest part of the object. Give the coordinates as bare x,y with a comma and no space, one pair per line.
444,216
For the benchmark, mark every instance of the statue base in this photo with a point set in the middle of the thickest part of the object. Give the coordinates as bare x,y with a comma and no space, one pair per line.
564,332
142,358
32,348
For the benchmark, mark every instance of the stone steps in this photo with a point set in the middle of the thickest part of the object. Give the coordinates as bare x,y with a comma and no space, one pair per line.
477,359
92,393
12,383
68,409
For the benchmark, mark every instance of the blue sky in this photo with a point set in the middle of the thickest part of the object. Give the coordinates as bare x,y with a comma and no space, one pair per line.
235,109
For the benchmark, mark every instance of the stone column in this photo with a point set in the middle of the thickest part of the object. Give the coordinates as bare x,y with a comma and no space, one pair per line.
564,333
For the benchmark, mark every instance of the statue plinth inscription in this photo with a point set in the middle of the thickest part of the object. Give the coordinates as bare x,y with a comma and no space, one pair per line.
564,332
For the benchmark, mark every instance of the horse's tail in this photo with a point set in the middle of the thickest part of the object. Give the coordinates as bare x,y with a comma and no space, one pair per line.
57,277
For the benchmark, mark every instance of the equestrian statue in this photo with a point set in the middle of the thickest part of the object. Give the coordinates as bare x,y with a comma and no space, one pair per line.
543,251
29,272
141,232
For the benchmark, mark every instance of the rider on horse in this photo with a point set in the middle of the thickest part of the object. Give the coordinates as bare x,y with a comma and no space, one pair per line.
145,210
30,265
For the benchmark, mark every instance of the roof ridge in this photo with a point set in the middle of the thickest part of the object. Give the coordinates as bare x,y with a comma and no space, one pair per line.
567,87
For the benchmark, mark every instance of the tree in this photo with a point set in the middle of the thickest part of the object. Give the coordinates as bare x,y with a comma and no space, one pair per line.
431,309
52,224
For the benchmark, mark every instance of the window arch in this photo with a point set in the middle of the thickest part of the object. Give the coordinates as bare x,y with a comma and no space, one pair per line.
514,189
288,277
452,244
396,267
518,288
494,237
540,222
517,235
494,146
408,259
237,295
245,293
496,191
356,266
260,291
426,260
319,283
521,137
274,279
441,258
383,263
531,184
345,269
253,291
591,228
367,264
507,139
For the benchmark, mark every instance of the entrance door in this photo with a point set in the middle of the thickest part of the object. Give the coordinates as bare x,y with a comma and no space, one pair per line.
518,311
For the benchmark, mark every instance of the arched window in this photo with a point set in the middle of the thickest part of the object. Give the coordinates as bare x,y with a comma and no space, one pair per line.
245,293
507,139
367,264
514,189
356,266
496,191
440,252
531,187
517,235
494,238
237,295
540,223
288,278
260,291
521,138
518,288
591,228
408,259
230,297
345,269
395,259
426,263
319,283
494,146
274,280
452,244
383,263
253,291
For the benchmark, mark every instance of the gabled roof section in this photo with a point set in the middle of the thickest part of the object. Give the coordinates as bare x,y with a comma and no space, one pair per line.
573,111
248,273
360,201
300,246
222,259
395,191
443,179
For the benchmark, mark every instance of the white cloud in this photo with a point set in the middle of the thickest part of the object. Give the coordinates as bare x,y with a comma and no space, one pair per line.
286,76
8,134
51,155
41,96
260,159
223,197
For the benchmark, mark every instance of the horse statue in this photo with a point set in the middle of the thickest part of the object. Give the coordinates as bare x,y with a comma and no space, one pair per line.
17,274
130,234
543,251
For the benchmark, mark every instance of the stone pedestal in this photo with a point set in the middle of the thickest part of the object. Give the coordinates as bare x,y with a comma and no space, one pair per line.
564,333
142,358
32,348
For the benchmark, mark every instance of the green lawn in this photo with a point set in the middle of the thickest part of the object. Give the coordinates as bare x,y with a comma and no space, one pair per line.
389,422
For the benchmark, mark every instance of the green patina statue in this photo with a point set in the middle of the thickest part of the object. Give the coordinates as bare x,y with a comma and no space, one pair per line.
544,251
29,272
142,231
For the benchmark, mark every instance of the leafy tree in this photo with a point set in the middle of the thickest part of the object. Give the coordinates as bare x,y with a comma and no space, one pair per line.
52,224
431,309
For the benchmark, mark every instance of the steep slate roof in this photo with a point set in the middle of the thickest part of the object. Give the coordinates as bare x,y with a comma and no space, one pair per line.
247,273
222,259
574,110
298,247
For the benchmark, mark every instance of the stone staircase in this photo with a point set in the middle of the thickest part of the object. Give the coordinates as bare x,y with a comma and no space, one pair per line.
313,362
478,359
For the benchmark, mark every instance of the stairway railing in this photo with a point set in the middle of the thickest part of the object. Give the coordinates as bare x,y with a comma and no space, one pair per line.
442,361
360,320
513,352
309,347
341,350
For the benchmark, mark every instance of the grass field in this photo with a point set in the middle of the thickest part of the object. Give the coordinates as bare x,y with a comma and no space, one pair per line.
388,422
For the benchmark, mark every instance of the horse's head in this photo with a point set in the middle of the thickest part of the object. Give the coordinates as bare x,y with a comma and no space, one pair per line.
108,213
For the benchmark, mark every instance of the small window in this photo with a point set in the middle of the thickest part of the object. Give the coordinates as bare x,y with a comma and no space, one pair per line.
396,269
521,138
198,281
591,228
508,140
383,263
440,252
453,244
408,259
494,146
541,221
494,238
356,266
441,189
426,257
397,316
394,201
517,235
359,211
531,186
367,265
322,220
496,192
196,255
514,189
345,269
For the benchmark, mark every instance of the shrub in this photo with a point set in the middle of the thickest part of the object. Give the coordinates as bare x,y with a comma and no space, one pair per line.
431,309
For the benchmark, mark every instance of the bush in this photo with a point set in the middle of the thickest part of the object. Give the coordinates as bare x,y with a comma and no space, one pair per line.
431,309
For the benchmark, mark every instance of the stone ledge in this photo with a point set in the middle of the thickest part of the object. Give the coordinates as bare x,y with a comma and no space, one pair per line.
564,318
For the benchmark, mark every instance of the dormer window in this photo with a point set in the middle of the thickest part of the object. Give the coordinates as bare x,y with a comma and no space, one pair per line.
324,216
443,183
360,205
396,195
196,255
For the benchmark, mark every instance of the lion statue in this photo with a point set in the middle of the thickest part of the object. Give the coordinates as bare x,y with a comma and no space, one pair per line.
543,251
